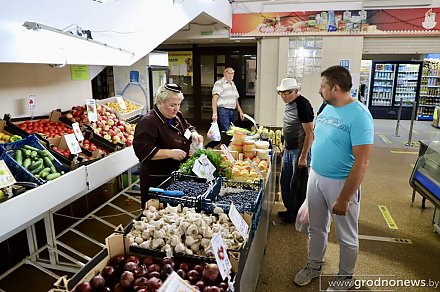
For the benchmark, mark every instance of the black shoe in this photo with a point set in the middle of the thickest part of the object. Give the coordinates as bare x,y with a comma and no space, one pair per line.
287,220
283,214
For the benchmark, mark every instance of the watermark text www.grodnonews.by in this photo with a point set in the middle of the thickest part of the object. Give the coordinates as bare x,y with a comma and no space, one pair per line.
376,283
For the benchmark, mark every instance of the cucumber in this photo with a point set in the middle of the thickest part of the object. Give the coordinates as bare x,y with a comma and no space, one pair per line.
26,152
46,169
53,176
27,162
18,156
47,162
36,164
29,147
34,153
38,169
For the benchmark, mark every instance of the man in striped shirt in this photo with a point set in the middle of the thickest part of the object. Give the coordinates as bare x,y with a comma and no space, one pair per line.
225,100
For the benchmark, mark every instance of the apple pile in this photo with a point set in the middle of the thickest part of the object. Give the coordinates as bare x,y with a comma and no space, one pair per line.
148,274
87,144
64,152
108,125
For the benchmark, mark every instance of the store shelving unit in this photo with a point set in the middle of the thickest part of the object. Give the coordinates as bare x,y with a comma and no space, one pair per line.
42,202
429,90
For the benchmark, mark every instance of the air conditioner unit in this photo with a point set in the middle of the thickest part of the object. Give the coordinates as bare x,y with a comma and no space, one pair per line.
394,3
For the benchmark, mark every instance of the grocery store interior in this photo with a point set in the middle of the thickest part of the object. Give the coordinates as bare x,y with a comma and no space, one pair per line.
65,226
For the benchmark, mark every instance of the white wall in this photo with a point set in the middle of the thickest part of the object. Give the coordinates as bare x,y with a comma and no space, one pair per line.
52,86
272,63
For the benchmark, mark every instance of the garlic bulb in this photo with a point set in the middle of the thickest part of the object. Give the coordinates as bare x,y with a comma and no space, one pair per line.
180,248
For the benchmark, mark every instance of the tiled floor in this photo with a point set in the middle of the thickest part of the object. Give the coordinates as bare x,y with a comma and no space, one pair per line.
386,183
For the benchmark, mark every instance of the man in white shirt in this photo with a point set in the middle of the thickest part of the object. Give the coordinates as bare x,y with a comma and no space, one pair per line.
225,100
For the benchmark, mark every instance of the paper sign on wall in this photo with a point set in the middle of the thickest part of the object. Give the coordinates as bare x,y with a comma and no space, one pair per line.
77,131
32,99
72,143
6,177
92,114
221,255
238,221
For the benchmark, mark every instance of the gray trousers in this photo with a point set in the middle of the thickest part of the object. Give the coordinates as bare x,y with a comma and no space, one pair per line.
321,194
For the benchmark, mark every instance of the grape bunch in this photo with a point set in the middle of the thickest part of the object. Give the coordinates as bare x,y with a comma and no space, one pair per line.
243,200
190,188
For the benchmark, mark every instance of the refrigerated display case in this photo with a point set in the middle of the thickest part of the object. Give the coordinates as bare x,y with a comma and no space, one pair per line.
429,89
157,76
391,83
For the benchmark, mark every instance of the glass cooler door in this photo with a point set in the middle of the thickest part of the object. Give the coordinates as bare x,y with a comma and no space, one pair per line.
383,84
407,84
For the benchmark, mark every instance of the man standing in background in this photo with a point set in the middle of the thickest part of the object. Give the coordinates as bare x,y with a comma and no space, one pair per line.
298,138
225,101
344,135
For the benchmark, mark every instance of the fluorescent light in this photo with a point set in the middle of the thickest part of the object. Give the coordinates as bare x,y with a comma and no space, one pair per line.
37,26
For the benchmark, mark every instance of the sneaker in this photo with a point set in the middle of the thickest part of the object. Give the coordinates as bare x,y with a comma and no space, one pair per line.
341,283
306,275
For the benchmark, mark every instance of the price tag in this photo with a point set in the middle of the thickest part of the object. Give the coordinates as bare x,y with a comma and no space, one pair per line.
91,110
175,283
6,177
221,255
257,170
121,102
227,153
77,131
32,99
72,143
238,221
204,168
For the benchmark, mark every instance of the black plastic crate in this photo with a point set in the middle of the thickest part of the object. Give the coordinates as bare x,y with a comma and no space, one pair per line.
194,188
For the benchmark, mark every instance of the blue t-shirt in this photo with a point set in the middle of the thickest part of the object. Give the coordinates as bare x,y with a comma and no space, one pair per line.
337,130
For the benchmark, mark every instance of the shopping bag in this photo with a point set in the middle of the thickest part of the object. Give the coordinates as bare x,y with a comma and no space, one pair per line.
214,132
302,219
298,186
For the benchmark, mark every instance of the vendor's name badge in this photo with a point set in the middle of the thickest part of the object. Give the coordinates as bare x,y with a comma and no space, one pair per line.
72,143
175,283
77,131
121,102
238,221
221,255
92,114
6,177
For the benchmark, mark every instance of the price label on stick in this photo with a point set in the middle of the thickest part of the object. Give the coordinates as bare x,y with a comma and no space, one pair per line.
175,283
204,168
238,221
72,143
77,131
32,99
92,113
221,255
6,177
121,102
227,153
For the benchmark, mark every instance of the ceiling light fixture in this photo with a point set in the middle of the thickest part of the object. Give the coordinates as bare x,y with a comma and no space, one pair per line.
80,34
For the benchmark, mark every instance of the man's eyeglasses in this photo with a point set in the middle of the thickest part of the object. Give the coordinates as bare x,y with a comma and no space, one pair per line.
285,92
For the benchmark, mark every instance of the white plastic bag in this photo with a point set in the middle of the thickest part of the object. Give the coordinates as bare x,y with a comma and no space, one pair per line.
214,132
302,219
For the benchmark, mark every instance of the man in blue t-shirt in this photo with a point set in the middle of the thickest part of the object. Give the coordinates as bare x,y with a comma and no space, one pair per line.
344,134
298,138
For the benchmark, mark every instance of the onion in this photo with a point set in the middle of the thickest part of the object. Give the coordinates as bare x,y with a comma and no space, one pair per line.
167,268
198,268
117,261
108,273
181,273
201,285
184,266
211,273
223,286
140,283
212,289
133,259
154,283
154,268
97,281
126,279
84,287
148,261
130,266
193,276
103,289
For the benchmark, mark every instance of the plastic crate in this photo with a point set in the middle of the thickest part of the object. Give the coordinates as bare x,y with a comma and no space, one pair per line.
121,115
186,201
20,173
33,141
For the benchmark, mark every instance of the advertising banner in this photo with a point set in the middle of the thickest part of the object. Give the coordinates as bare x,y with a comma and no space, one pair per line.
417,21
180,63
